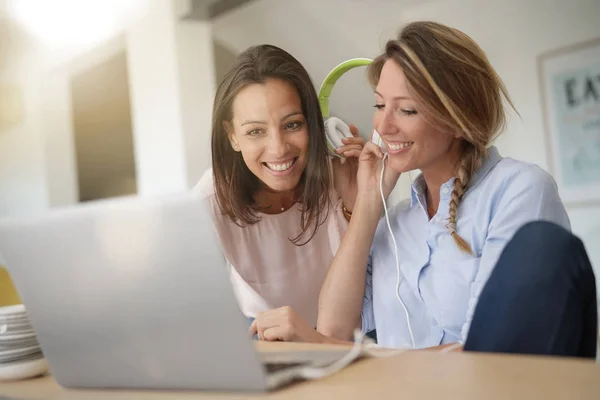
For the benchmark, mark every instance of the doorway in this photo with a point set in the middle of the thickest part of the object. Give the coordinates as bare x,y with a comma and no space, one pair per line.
102,128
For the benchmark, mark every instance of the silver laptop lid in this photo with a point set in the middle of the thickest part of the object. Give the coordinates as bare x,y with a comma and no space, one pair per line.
132,293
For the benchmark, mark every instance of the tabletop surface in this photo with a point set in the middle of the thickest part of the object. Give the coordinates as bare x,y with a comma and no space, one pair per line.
410,375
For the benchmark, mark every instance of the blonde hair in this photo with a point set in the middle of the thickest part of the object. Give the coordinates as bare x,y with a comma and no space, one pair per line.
458,90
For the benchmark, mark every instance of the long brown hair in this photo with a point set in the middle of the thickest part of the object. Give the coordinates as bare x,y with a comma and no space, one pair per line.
450,76
235,185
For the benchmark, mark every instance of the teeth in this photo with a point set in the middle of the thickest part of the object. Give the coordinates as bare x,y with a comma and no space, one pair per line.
280,167
399,146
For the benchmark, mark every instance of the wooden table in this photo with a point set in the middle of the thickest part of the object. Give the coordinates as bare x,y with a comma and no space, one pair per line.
411,375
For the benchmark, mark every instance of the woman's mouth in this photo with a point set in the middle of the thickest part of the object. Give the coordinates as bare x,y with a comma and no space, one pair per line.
397,147
281,168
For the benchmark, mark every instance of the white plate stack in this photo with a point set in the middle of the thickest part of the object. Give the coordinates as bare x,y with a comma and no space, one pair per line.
20,353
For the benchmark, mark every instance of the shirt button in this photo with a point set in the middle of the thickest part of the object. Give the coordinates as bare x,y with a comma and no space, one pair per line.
446,190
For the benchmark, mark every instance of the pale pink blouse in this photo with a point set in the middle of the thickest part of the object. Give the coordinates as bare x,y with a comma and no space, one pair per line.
267,270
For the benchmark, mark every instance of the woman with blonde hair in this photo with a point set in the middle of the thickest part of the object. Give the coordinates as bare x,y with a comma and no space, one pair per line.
483,257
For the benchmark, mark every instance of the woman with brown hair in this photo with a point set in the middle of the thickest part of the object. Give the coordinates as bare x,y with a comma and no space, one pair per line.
483,257
280,205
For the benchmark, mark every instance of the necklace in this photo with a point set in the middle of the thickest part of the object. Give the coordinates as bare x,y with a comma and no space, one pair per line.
266,197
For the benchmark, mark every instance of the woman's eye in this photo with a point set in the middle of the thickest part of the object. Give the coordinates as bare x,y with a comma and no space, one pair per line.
379,106
293,125
408,111
254,132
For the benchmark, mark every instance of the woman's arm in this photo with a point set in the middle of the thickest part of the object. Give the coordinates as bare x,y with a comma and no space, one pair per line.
342,293
341,298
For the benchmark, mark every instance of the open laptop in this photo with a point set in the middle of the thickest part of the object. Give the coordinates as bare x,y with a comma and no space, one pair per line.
134,293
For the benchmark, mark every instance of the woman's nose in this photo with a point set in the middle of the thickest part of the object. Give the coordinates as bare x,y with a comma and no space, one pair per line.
277,144
385,123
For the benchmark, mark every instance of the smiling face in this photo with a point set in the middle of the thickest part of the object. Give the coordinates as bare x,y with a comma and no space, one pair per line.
270,131
412,142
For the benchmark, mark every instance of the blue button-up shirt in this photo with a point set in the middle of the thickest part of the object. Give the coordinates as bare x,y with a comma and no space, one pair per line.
440,284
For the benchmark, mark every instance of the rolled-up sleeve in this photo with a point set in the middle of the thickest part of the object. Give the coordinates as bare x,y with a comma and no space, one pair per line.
528,196
366,314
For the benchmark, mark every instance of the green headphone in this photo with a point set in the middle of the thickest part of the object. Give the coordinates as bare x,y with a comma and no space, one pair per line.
333,76
335,128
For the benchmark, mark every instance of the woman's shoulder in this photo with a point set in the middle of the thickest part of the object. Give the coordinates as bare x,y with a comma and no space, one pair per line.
512,174
204,191
516,190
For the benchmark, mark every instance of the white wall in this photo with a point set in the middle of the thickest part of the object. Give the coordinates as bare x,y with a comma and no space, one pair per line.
512,32
155,102
197,87
22,176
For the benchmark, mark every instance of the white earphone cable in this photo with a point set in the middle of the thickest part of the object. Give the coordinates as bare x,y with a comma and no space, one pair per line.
387,218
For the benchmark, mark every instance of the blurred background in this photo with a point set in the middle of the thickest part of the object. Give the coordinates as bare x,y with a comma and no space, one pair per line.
108,98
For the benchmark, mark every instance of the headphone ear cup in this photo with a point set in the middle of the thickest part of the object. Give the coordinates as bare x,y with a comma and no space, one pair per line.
335,131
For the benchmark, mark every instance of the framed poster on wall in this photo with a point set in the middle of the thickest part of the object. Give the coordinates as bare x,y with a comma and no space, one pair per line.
570,88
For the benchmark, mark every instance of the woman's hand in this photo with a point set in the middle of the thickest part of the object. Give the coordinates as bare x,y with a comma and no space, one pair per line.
283,324
345,169
370,165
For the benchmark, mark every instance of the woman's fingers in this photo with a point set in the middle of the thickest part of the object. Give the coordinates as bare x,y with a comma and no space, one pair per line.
348,147
352,145
262,321
354,140
354,130
281,319
371,151
253,330
277,333
353,153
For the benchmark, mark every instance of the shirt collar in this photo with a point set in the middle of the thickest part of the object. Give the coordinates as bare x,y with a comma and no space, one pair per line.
489,162
417,189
